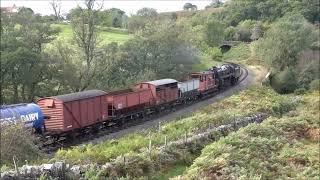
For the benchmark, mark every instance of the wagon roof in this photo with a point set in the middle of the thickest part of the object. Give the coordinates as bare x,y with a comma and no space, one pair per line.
13,105
202,72
80,95
162,82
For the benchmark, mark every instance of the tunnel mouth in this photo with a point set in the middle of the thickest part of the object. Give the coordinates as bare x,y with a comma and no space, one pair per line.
225,48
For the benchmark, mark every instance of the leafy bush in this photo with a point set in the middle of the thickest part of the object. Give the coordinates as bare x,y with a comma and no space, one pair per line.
308,73
300,91
18,143
284,81
214,53
229,33
283,42
213,33
243,31
315,45
315,84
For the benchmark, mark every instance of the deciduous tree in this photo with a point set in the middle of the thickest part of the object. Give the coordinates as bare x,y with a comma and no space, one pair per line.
284,41
23,66
213,33
189,7
86,36
56,7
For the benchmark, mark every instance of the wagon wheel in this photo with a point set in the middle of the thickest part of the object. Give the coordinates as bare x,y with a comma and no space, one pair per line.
95,128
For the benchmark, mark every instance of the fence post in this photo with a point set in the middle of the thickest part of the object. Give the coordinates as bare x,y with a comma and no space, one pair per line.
234,121
159,130
150,144
165,142
124,160
15,165
185,138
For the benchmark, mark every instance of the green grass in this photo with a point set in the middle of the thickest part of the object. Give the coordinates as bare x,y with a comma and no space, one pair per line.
65,31
106,36
279,148
237,53
175,170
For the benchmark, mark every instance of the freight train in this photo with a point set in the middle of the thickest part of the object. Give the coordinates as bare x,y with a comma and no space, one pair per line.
62,115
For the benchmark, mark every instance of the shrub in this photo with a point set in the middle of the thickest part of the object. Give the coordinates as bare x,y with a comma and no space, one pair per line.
315,84
283,107
308,73
284,81
315,45
283,42
300,91
242,34
229,33
214,53
18,142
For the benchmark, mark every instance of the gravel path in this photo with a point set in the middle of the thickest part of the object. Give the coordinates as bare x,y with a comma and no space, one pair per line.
153,123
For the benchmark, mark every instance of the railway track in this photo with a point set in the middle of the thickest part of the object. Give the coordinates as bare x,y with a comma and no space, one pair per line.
107,131
244,73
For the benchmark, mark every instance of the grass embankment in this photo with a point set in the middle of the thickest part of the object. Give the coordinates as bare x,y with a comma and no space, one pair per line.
243,104
285,147
107,35
244,54
241,54
171,172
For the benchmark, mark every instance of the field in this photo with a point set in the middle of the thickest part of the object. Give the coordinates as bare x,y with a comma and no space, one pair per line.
107,36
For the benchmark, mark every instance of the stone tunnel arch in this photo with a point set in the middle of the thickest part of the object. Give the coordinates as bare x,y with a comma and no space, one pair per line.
227,45
225,48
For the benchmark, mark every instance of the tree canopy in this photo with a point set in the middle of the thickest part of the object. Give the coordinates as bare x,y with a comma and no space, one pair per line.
284,41
189,6
24,66
269,10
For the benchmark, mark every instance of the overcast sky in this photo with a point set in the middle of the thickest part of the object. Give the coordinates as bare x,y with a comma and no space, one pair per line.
130,7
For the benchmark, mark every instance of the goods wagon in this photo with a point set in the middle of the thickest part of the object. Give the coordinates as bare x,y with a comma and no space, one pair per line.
188,87
74,111
28,113
128,100
208,81
163,90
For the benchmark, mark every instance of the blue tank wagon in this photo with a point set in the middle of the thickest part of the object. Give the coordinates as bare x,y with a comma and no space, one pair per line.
28,113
